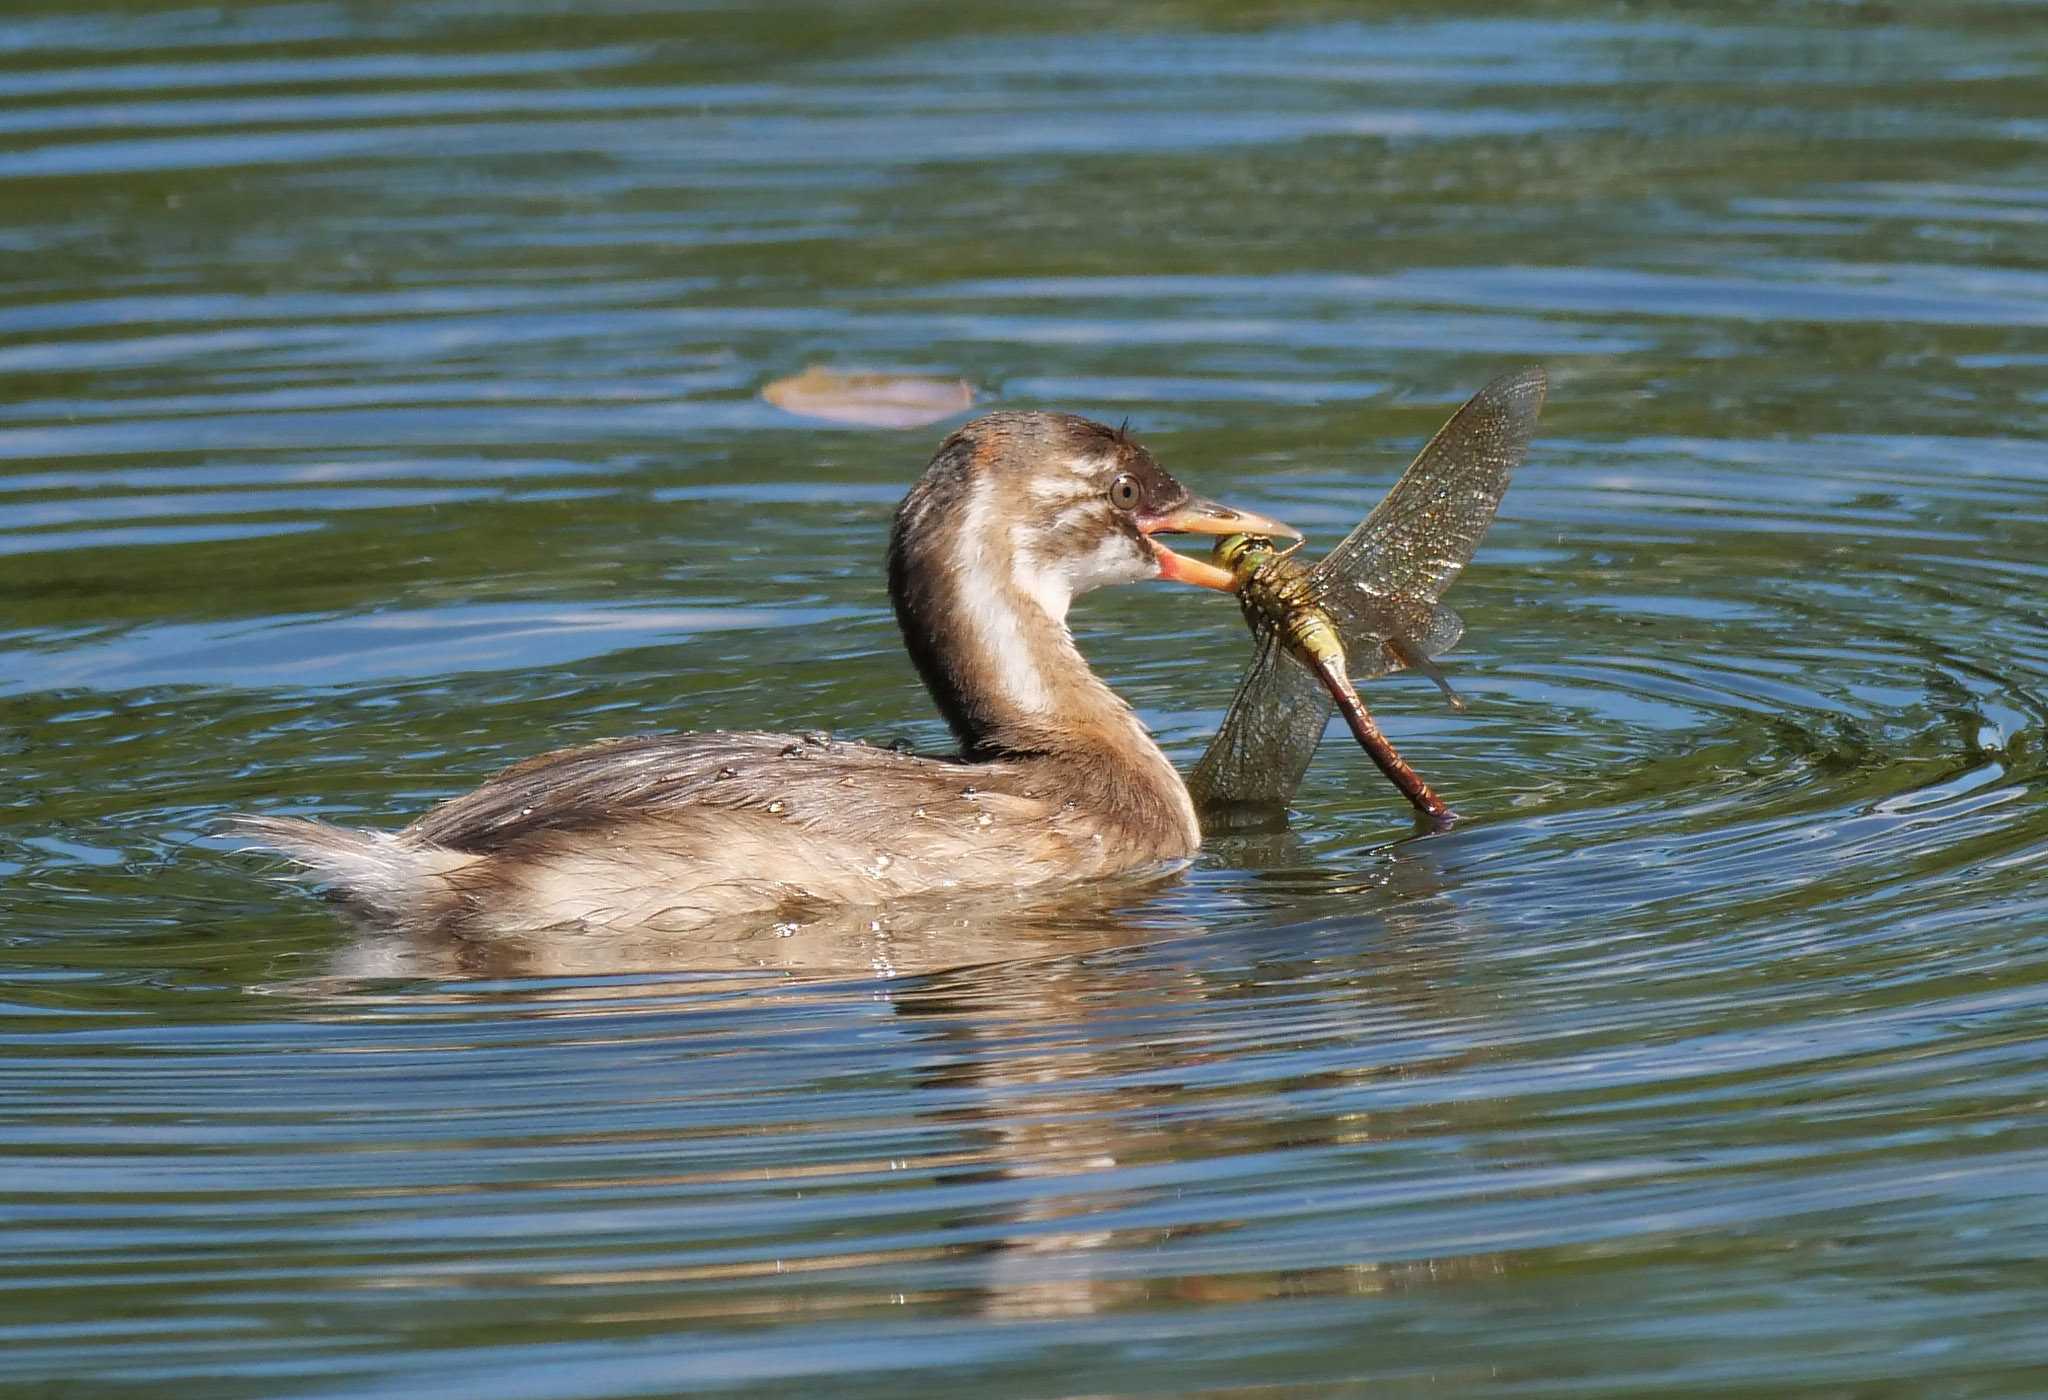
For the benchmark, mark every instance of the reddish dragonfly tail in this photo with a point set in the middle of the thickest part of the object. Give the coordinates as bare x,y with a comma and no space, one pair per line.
1382,752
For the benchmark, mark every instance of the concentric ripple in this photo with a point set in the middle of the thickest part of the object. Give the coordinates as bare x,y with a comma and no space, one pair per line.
383,405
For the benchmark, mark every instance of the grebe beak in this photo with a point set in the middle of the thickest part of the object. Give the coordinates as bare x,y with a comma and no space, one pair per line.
1199,517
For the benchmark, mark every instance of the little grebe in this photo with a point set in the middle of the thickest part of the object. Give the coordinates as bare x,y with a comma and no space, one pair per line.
1056,780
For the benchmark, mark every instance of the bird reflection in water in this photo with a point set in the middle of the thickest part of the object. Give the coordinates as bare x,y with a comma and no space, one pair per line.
1074,1106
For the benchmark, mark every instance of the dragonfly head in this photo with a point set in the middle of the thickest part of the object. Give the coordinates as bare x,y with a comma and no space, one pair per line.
1242,554
1226,573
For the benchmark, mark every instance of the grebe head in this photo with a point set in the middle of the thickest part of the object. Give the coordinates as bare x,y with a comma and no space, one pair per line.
1061,505
1018,514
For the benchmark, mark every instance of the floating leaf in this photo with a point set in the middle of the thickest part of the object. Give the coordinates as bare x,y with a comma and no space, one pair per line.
870,399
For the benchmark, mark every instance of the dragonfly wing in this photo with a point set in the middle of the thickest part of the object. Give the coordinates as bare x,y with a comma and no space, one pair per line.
1418,650
1423,534
1442,633
1276,720
1376,632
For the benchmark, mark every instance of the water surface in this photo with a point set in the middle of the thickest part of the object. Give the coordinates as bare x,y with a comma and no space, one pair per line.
382,404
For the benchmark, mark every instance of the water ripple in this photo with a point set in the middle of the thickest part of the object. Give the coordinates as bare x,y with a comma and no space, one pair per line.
382,407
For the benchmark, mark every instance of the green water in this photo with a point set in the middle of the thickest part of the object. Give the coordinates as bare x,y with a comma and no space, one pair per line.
381,406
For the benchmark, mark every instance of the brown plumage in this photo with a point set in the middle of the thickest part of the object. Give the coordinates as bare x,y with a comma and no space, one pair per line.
1057,779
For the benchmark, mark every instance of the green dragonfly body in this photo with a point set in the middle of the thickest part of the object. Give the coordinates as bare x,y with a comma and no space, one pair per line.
1274,589
1368,608
1280,599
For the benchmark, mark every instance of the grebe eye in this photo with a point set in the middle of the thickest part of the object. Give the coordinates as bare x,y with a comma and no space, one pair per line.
1123,492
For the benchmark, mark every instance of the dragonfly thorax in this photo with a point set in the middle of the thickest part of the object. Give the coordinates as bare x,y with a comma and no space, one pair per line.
1278,595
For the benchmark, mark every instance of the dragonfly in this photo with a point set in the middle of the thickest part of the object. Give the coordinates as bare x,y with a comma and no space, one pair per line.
1366,609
